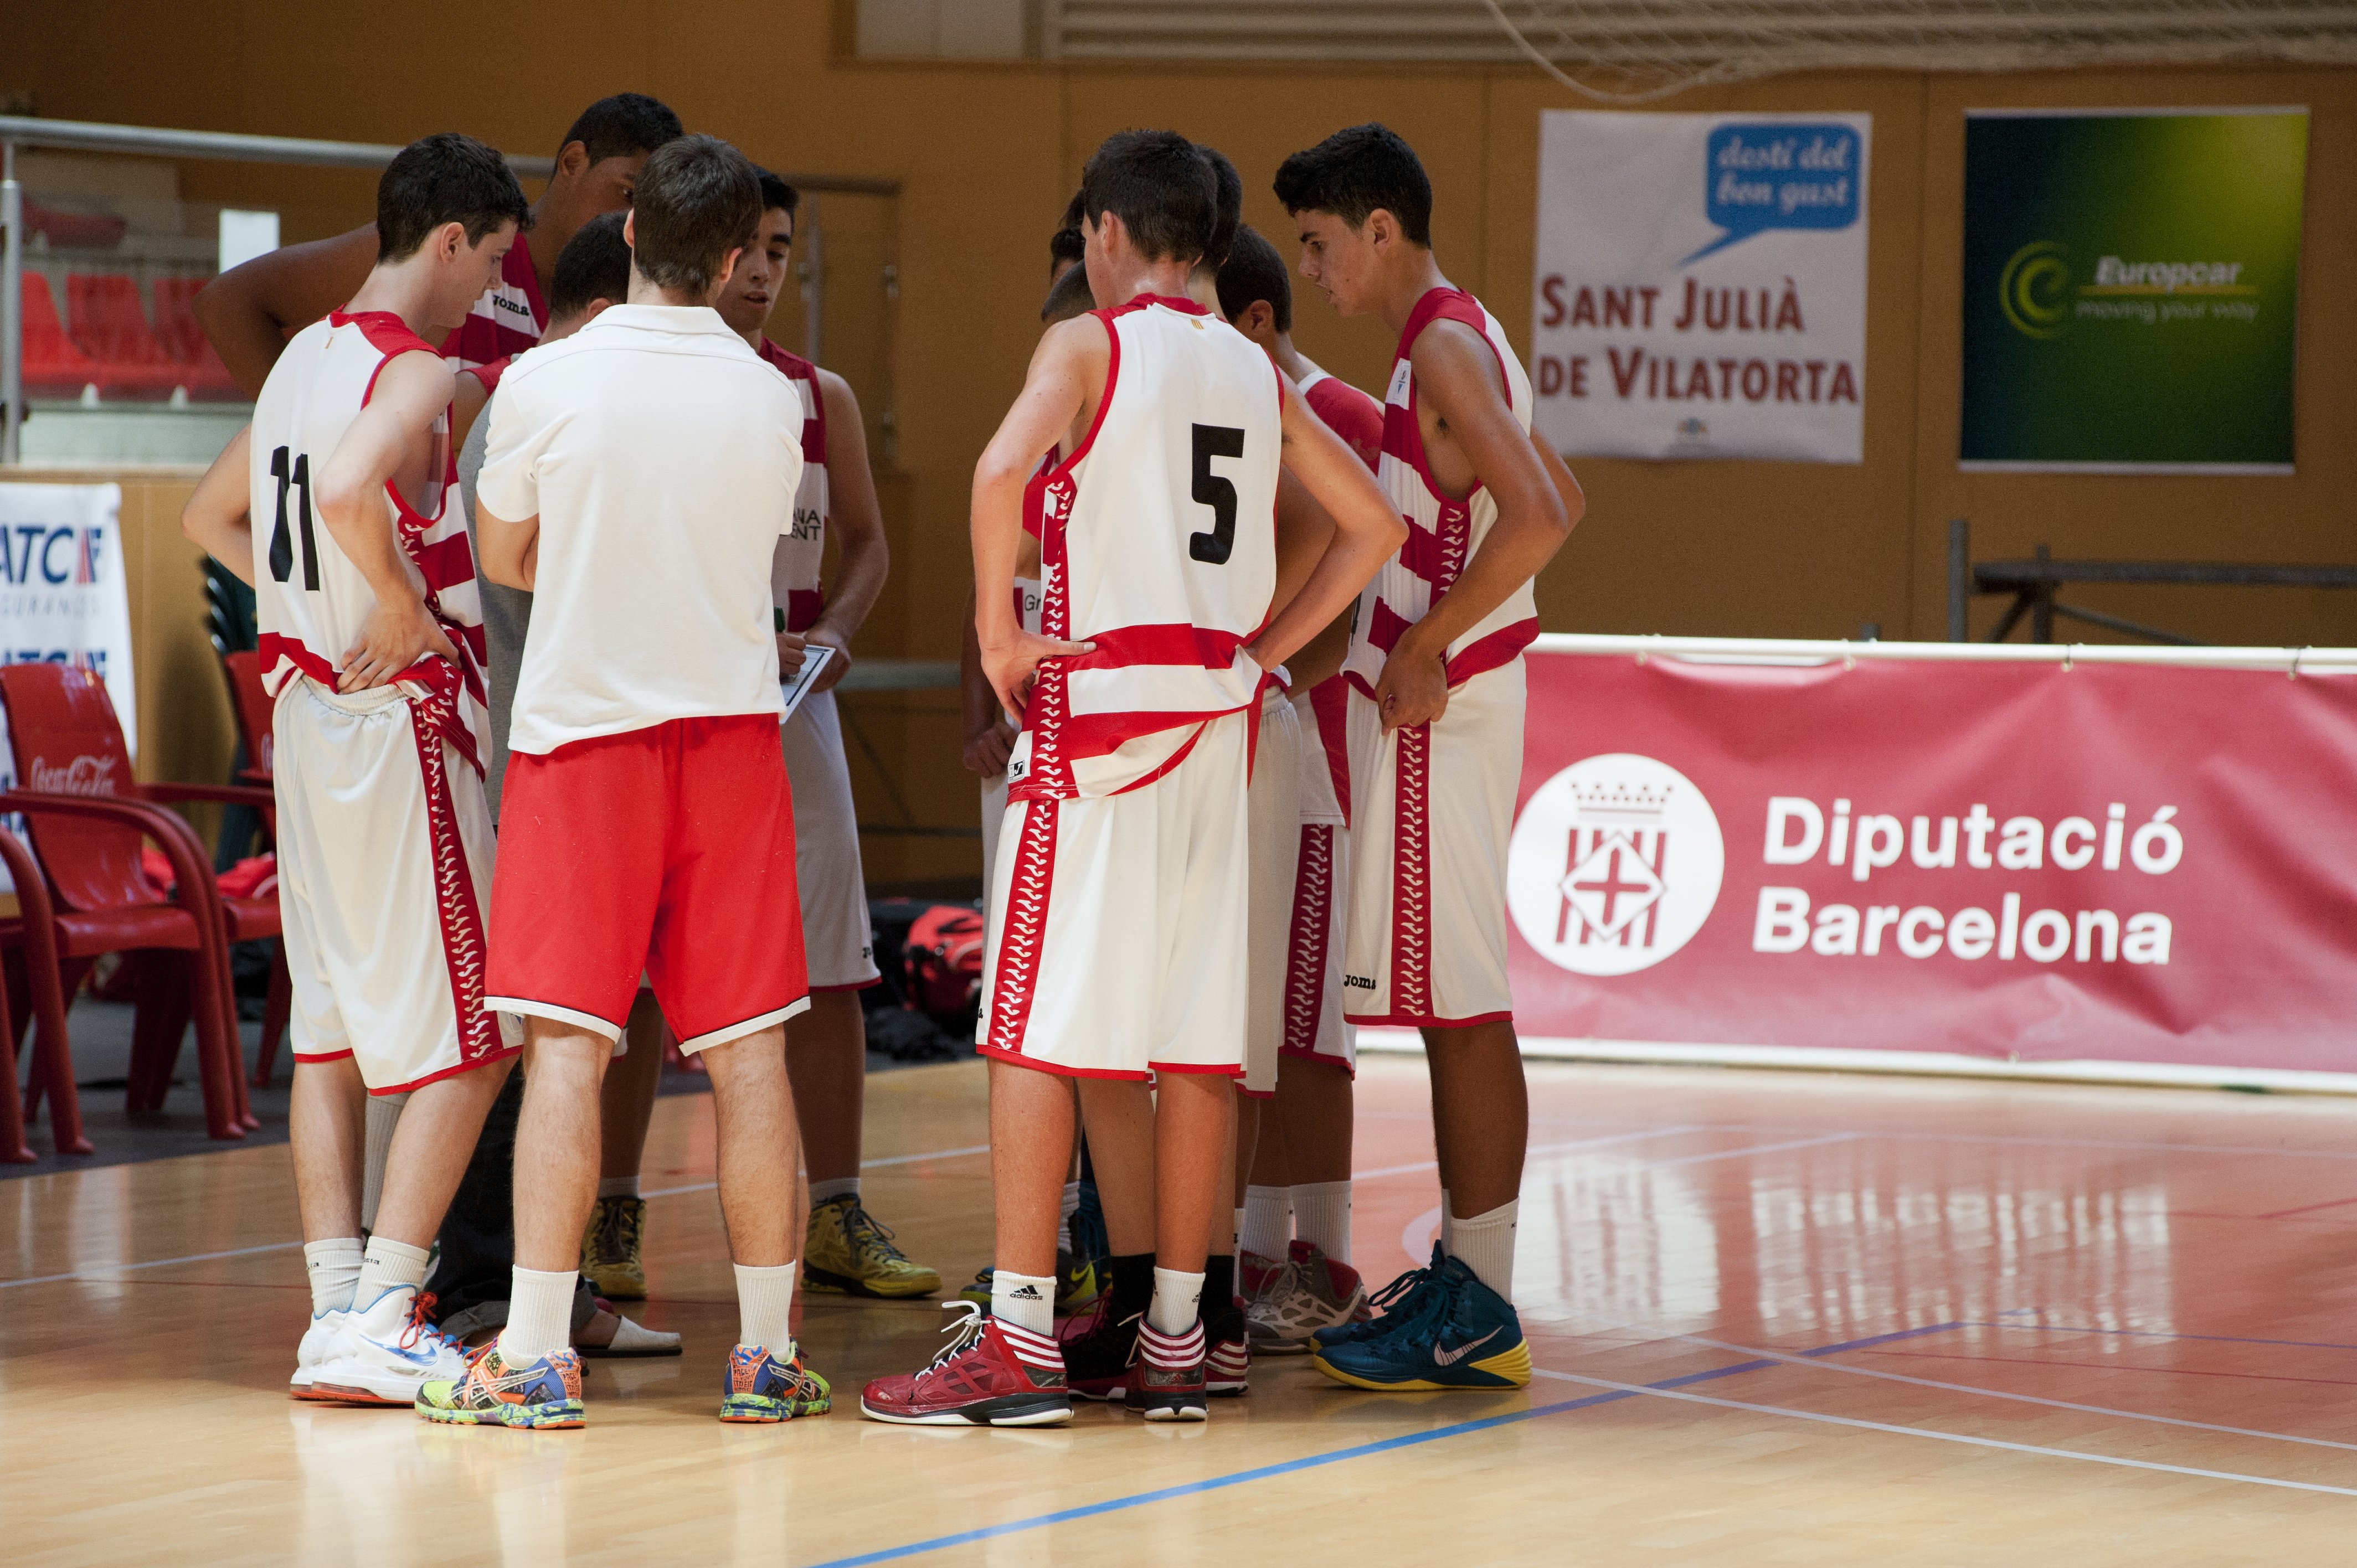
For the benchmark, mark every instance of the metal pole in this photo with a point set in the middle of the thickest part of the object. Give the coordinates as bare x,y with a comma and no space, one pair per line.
12,305
1960,577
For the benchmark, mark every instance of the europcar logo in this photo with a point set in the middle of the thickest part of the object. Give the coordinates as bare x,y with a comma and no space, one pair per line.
2034,290
1614,865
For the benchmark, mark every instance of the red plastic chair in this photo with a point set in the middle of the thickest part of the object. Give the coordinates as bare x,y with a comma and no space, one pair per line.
53,366
250,700
69,746
185,340
107,322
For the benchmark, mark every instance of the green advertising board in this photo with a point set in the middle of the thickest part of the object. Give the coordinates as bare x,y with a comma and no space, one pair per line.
2131,285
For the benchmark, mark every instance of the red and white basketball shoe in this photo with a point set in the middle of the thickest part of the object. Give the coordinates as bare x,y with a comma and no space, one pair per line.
1166,1383
992,1374
1309,1292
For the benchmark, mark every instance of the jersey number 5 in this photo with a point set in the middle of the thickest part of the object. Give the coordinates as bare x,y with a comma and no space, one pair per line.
282,547
1215,491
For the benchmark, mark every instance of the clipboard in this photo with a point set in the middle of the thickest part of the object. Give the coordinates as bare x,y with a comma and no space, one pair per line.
798,685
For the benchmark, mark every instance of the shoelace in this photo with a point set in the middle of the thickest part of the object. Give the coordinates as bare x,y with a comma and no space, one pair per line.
421,1324
967,1330
1272,1286
618,1230
1432,1310
863,1231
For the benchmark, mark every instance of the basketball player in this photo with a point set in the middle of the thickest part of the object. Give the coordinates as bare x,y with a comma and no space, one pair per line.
1065,246
1436,726
249,311
638,475
1301,1168
844,1250
1118,921
371,644
477,1260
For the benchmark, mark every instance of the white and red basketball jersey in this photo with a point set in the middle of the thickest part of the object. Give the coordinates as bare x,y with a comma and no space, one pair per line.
794,570
1348,412
310,599
1442,534
508,317
1158,543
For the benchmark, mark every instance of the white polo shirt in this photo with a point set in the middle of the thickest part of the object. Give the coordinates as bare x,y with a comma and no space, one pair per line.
661,456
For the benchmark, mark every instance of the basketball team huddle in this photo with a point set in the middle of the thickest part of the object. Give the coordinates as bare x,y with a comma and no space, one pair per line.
535,518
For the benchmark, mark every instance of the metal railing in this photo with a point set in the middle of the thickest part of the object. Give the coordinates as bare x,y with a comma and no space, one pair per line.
81,136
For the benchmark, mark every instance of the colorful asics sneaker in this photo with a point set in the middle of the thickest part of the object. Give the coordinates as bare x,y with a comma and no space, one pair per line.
758,1386
1078,1283
609,1249
1401,1299
1227,1348
1463,1335
389,1350
992,1374
848,1253
1307,1292
1166,1384
544,1394
323,1341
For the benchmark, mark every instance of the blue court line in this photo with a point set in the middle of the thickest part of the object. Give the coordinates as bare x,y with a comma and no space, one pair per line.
2156,1333
1316,1461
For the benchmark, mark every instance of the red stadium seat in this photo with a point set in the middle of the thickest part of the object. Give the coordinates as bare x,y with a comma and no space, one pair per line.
53,366
107,323
176,330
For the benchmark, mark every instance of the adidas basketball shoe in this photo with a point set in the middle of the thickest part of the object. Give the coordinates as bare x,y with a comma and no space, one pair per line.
543,1394
992,1374
846,1253
1168,1382
1307,1292
1463,1335
389,1348
758,1386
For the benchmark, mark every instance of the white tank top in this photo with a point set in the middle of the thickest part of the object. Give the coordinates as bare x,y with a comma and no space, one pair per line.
310,599
794,570
1157,543
1443,534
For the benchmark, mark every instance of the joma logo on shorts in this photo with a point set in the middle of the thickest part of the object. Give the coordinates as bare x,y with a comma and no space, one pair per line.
1360,982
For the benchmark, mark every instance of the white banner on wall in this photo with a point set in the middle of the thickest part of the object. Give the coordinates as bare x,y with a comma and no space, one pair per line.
1700,289
63,599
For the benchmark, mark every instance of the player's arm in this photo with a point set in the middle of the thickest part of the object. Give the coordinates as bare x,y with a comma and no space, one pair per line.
1069,363
988,737
856,519
468,396
249,310
1456,374
411,393
1367,531
219,516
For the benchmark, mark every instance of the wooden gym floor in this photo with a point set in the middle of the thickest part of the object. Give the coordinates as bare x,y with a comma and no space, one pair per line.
1779,1318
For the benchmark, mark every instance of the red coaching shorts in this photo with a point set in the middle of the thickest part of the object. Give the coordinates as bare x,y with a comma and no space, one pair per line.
669,848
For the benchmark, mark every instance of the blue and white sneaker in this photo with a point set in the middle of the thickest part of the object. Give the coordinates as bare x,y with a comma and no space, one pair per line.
1463,1335
389,1350
1397,1302
323,1341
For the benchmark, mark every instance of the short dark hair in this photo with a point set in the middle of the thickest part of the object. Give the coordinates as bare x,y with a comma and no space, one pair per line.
776,192
1228,209
1066,246
1354,172
448,178
1255,271
1070,296
624,123
1160,188
698,199
594,265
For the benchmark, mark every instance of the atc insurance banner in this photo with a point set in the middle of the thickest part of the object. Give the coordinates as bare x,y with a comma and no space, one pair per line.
2131,283
2120,862
63,599
1701,285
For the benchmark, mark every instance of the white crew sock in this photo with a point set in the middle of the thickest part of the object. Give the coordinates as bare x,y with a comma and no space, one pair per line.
384,1112
828,1191
1027,1301
765,1305
1321,1217
1268,1222
1071,1205
334,1268
387,1265
1485,1244
540,1315
1178,1301
618,1187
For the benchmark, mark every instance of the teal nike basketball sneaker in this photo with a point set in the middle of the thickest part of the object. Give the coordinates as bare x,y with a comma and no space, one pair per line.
1463,1335
1397,1302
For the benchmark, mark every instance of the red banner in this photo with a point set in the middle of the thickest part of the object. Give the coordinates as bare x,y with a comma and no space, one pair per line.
2123,861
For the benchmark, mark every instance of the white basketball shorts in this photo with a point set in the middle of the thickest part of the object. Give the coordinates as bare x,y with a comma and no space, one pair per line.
994,815
1430,813
837,941
385,882
1274,805
1314,1027
1118,924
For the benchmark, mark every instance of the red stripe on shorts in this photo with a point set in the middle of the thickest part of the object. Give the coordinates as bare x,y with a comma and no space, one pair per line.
463,943
1412,875
1027,923
1304,961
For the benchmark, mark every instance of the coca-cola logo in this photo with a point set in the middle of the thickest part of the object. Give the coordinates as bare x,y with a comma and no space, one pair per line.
82,776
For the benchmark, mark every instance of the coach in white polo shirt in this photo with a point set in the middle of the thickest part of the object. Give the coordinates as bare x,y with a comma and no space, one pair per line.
637,477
